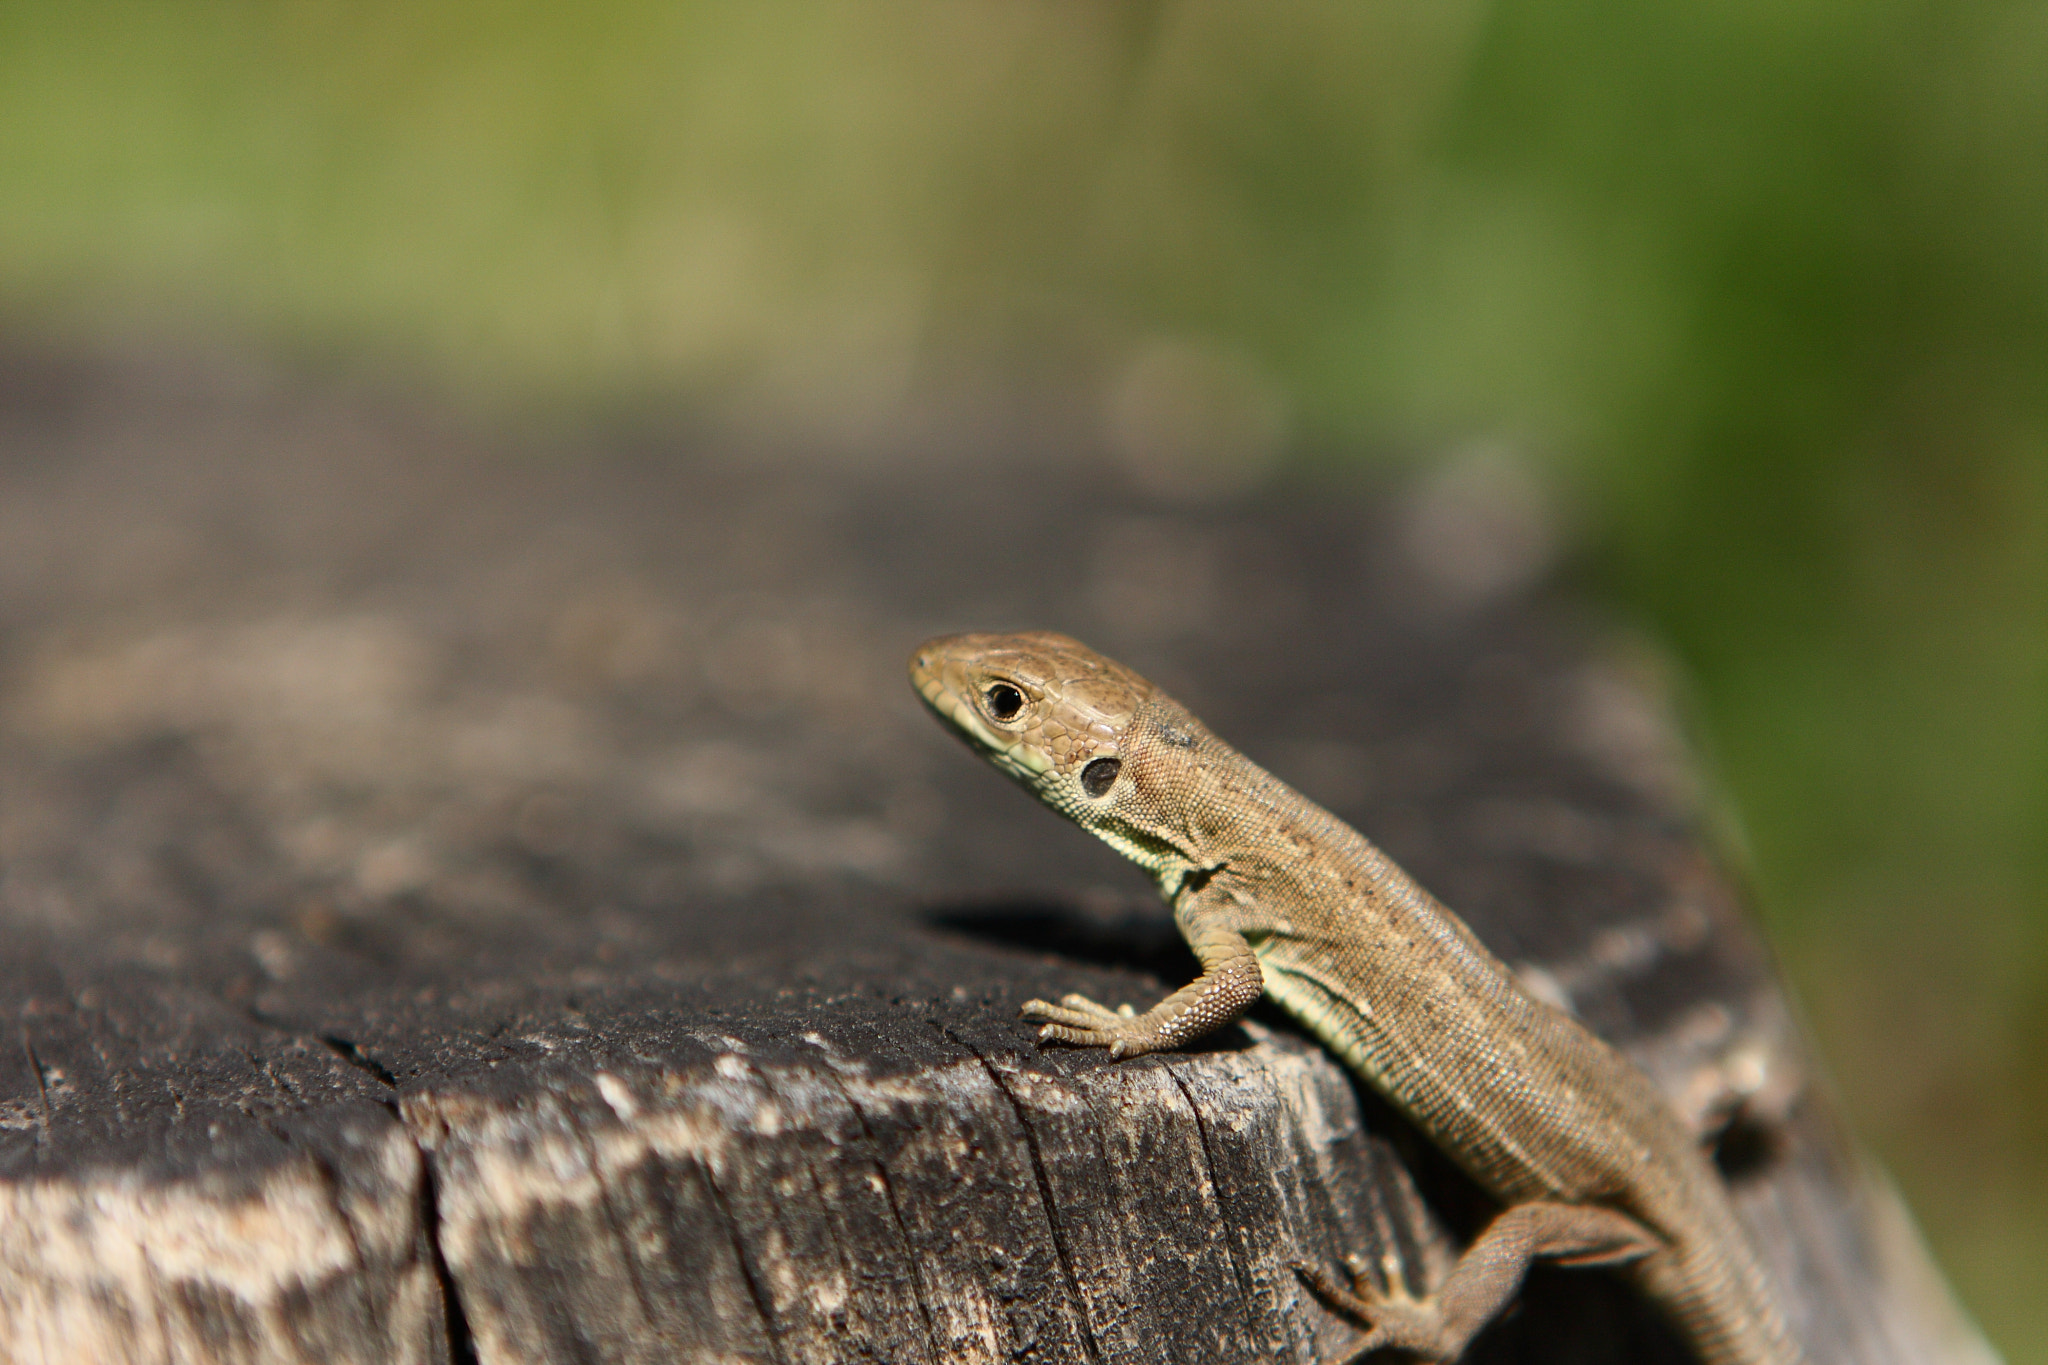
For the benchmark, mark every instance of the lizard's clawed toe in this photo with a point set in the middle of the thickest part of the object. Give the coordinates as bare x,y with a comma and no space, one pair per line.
1394,1319
1081,1022
1081,1004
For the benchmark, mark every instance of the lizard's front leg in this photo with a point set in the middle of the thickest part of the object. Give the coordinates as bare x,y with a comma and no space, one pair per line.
1439,1327
1229,983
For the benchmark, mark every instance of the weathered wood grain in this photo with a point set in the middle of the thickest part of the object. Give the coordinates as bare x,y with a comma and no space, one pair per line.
475,902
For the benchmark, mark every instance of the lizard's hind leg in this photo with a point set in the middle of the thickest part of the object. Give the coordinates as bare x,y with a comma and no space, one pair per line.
1439,1326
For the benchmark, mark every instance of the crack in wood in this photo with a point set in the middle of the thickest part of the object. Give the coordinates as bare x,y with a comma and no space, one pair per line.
1238,1269
888,1184
755,1290
454,1319
1045,1196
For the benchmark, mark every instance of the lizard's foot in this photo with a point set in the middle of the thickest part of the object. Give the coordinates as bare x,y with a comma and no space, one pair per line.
1394,1318
1084,1023
1486,1277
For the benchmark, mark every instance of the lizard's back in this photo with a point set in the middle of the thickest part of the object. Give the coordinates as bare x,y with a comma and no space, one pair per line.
1520,1093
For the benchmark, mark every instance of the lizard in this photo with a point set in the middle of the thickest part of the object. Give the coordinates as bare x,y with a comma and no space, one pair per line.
1275,895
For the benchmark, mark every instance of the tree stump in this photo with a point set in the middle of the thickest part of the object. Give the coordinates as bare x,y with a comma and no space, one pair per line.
467,901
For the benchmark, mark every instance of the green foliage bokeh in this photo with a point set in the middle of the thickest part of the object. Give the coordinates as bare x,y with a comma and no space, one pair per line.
1763,286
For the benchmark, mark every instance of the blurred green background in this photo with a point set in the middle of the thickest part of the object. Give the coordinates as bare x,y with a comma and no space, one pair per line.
1761,288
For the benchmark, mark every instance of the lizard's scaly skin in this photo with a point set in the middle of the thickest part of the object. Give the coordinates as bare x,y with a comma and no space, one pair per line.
1275,893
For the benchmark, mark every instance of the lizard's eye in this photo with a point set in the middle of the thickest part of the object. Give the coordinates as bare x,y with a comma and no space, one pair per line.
1004,701
1100,775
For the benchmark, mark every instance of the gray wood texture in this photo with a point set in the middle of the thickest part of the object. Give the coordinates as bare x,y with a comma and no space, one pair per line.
475,899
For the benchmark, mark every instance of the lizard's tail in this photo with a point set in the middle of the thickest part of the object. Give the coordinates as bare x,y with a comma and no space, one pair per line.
1724,1306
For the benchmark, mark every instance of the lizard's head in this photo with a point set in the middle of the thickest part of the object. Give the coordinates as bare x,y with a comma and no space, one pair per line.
1082,733
1044,708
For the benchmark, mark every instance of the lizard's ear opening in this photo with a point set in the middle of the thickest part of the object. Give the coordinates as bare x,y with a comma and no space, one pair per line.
1100,775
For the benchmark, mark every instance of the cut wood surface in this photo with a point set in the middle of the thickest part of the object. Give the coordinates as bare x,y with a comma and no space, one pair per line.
467,899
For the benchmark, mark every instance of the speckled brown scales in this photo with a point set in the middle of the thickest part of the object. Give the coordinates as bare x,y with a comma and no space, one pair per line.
1274,893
